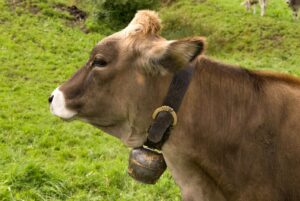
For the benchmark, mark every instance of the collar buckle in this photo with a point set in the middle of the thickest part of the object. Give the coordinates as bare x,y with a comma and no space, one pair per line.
166,108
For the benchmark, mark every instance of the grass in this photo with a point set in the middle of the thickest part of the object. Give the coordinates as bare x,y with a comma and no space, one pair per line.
238,37
44,158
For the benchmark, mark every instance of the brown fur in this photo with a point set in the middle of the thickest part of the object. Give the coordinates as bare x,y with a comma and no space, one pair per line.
268,75
237,137
243,126
145,22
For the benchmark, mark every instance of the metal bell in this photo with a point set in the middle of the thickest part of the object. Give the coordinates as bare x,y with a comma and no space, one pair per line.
146,165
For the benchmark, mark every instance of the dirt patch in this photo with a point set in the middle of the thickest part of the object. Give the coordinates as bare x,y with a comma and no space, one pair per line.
24,4
78,16
73,10
16,3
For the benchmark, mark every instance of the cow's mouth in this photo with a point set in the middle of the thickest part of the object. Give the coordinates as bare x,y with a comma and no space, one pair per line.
69,119
66,115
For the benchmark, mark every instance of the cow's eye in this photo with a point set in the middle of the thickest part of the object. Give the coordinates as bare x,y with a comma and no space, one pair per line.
99,63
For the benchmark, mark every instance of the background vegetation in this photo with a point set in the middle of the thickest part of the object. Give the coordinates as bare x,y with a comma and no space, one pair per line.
42,44
117,13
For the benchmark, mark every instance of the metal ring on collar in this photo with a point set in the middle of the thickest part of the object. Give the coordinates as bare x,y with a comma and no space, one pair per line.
166,108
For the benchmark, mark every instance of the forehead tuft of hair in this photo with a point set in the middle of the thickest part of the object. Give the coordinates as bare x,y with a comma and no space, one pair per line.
144,22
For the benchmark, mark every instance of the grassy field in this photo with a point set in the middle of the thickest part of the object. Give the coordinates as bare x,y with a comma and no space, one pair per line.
238,37
43,158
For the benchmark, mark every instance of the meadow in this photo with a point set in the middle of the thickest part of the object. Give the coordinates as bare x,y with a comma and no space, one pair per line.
44,158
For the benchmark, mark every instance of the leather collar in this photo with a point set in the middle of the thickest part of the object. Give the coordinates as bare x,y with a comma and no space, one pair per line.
159,130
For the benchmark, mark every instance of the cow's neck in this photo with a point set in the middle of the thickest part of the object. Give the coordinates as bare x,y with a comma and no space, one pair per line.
164,117
201,148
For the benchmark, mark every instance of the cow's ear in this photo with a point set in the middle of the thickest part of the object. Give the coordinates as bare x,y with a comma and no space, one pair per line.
179,53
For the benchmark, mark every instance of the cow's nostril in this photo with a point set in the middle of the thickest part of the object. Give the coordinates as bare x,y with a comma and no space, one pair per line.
50,98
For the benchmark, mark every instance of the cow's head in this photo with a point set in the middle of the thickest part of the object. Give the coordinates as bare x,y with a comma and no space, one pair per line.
125,79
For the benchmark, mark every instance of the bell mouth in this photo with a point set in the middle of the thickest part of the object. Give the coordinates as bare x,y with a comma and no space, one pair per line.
146,165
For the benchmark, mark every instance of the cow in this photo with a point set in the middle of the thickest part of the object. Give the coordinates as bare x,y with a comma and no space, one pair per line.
295,6
237,136
252,3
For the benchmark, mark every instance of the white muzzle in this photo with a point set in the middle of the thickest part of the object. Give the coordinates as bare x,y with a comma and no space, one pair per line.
58,105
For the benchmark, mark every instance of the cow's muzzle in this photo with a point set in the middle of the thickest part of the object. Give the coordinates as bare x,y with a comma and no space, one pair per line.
58,106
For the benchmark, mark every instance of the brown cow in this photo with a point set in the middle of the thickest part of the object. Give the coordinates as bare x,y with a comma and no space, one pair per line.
238,131
295,6
252,4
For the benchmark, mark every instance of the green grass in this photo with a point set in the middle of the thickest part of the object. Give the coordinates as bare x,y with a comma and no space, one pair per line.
238,37
44,158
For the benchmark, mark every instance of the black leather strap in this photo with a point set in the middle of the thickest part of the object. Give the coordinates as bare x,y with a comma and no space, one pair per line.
161,126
